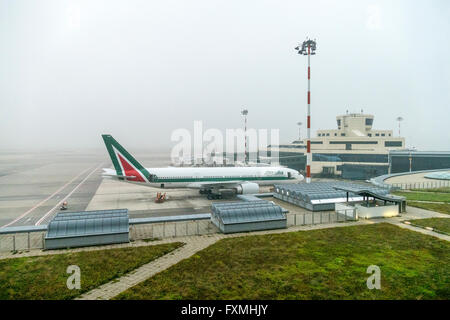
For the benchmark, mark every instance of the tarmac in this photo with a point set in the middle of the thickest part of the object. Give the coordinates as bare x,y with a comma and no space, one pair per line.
33,186
140,200
411,178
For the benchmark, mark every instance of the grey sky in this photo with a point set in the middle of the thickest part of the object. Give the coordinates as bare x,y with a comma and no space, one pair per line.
71,70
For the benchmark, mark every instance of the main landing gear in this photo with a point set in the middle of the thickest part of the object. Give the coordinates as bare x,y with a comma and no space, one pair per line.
210,194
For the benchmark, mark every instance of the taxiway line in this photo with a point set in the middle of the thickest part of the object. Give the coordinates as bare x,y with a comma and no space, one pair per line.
66,197
45,200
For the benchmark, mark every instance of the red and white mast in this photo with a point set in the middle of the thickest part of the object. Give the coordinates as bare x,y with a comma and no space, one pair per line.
308,48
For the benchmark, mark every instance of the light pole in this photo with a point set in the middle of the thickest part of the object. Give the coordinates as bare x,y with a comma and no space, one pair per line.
308,47
245,113
399,119
299,130
410,161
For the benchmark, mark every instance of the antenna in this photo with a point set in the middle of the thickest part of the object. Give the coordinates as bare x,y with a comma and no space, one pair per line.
399,119
244,112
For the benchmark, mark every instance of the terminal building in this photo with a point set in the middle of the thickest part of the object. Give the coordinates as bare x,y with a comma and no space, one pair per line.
354,150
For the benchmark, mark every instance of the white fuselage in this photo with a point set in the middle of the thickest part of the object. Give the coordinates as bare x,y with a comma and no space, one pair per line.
197,177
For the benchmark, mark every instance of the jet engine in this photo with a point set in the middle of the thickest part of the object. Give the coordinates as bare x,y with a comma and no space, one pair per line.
247,188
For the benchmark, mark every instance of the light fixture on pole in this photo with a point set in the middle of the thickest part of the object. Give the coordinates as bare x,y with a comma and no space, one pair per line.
299,130
245,113
308,47
399,119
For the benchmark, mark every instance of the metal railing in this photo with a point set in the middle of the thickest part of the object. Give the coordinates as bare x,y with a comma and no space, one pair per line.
422,185
22,238
31,237
163,230
320,217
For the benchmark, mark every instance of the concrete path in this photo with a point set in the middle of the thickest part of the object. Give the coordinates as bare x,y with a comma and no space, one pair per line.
113,288
428,201
421,230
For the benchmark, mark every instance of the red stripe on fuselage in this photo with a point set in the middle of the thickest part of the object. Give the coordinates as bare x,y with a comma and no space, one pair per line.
130,171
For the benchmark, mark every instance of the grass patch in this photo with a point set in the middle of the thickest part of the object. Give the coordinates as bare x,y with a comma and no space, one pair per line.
441,190
437,207
45,277
317,264
440,224
424,196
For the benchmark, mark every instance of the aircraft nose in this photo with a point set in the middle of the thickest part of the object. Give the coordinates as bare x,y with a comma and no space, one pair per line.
298,176
295,174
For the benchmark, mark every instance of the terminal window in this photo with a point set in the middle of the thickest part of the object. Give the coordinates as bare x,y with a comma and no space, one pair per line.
392,143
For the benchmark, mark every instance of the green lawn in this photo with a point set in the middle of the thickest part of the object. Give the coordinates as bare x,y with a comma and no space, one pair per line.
441,190
45,277
317,264
424,196
437,207
440,224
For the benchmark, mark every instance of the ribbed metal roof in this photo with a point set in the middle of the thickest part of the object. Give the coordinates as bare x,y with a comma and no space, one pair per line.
245,212
75,224
242,204
89,214
325,190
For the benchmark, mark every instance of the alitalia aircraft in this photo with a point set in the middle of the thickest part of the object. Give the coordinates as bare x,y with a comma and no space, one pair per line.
213,181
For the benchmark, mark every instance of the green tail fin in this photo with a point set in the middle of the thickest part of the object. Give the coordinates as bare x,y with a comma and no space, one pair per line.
124,163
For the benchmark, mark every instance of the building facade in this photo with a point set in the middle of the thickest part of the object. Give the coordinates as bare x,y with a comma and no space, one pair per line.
353,151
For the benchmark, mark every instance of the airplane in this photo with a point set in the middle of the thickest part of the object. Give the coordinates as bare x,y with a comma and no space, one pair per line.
212,181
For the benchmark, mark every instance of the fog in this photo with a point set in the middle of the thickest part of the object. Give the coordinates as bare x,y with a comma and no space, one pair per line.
72,70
